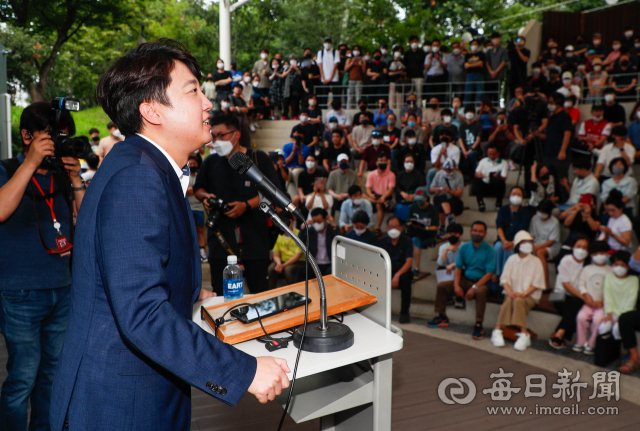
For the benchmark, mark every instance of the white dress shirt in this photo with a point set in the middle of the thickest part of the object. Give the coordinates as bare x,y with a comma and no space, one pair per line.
184,179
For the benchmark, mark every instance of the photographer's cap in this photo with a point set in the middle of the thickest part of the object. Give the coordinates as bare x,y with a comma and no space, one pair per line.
342,156
232,259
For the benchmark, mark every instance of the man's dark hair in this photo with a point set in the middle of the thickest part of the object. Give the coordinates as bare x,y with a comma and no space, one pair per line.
361,217
93,130
599,247
619,130
597,107
582,236
353,190
582,163
305,111
111,125
336,104
285,217
445,111
231,121
609,90
409,133
620,256
319,211
492,145
516,187
481,223
92,160
620,160
616,201
142,75
37,117
394,218
455,228
362,102
558,98
546,206
413,37
299,128
469,108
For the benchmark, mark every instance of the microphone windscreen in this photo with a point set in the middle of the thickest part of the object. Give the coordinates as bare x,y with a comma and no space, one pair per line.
240,162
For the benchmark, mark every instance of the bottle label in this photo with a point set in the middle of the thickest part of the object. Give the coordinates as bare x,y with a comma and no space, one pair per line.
233,287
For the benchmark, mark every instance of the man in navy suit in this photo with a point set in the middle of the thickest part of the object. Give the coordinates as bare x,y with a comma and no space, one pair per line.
132,351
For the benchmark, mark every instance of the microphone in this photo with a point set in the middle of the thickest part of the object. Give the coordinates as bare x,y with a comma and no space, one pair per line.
243,165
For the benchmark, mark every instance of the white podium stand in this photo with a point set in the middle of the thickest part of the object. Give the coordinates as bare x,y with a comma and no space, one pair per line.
351,389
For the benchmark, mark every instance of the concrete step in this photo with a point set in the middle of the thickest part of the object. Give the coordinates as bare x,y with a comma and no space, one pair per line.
270,144
277,124
280,133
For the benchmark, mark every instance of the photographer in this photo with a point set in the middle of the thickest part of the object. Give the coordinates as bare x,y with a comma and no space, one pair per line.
35,274
244,227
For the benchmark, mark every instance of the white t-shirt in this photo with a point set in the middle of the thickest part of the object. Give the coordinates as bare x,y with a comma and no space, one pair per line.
488,167
610,152
568,272
566,92
326,60
618,225
436,67
317,203
592,280
341,115
453,152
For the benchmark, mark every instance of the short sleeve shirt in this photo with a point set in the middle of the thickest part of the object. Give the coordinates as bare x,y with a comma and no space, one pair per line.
381,183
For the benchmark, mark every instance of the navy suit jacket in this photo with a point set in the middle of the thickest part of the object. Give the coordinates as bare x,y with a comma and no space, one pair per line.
131,350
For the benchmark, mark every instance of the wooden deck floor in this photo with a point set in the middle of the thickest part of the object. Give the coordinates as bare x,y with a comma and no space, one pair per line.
418,370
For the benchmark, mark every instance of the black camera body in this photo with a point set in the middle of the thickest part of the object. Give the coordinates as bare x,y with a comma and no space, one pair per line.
218,208
64,146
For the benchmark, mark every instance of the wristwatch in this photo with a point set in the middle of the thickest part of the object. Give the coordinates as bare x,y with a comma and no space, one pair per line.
474,287
79,189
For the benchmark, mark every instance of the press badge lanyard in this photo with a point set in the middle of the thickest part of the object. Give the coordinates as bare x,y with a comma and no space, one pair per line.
64,246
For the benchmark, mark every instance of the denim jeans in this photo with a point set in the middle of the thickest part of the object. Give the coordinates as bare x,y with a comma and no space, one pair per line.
474,87
354,93
33,323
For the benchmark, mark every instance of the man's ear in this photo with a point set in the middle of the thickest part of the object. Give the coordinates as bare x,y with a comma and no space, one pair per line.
27,138
150,114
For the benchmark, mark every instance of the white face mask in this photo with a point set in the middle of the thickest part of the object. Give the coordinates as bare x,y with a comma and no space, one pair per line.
456,51
117,134
366,58
636,45
628,33
375,142
525,247
597,68
536,71
435,49
397,55
220,65
255,84
393,233
247,79
274,66
383,51
608,98
515,200
469,115
597,118
319,227
616,47
580,253
224,105
568,105
357,201
542,216
551,108
312,102
408,166
327,46
304,119
599,259
414,45
310,165
569,54
263,56
293,63
411,141
332,126
359,231
474,48
446,119
356,53
619,271
223,148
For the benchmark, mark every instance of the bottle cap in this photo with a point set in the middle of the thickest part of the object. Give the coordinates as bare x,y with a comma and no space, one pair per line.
232,260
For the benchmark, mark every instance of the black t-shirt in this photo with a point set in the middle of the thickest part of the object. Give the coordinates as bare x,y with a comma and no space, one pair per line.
552,87
624,78
528,117
556,127
399,253
378,68
414,62
220,76
474,58
417,151
519,67
539,83
307,72
580,226
390,137
614,113
306,180
332,153
408,182
218,177
310,132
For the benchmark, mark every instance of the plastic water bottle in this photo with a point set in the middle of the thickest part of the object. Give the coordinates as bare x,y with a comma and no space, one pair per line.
232,279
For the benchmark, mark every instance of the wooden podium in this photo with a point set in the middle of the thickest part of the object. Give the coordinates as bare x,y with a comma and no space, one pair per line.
341,297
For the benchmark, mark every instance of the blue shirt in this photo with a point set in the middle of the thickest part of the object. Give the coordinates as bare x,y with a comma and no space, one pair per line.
235,75
380,118
633,133
288,149
474,262
347,211
511,223
367,237
24,262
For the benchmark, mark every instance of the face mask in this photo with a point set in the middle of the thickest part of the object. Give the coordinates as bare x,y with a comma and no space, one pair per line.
596,42
97,138
636,45
304,119
344,166
327,46
536,71
444,140
551,108
628,33
319,227
393,233
581,67
223,148
414,45
408,166
624,63
580,253
209,79
412,141
597,118
224,105
435,49
383,51
293,63
525,248
310,165
553,51
220,65
433,106
411,124
375,142
256,83
312,103
620,271
274,66
307,57
446,119
500,122
264,56
638,115
475,238
616,47
366,58
363,108
568,105
566,81
456,51
608,98
383,105
599,259
117,134
569,54
542,216
359,231
247,79
474,48
357,201
382,166
597,68
617,170
469,115
391,122
397,55
515,200
193,169
364,122
332,126
356,53
453,240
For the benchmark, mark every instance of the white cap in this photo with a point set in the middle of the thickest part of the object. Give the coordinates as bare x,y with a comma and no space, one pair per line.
342,156
232,259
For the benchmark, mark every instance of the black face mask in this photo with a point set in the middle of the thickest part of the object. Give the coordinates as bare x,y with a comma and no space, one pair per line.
307,57
363,108
453,240
193,169
210,79
364,122
476,239
544,177
376,57
383,105
95,138
411,103
624,63
433,106
382,166
343,52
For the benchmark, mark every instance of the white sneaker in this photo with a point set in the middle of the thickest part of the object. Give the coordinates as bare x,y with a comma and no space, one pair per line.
256,125
496,338
252,127
523,341
512,166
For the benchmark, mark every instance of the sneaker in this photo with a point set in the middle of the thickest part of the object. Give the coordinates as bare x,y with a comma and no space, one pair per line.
459,302
404,318
523,341
203,256
416,274
498,205
478,331
589,350
252,127
273,118
557,343
450,219
295,118
481,206
496,338
257,126
442,232
283,118
578,348
441,321
512,166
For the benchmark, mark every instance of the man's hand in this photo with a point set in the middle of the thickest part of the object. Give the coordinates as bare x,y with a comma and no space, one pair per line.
458,291
237,209
562,155
470,294
446,190
40,147
270,378
204,294
279,268
564,182
513,296
450,268
72,166
507,245
206,202
395,281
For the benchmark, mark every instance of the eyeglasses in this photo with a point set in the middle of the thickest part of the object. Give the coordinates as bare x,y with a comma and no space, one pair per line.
217,137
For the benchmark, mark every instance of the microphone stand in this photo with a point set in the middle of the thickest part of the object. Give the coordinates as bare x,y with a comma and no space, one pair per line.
323,337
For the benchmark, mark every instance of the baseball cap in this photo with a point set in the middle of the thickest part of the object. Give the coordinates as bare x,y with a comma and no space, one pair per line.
567,75
342,156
